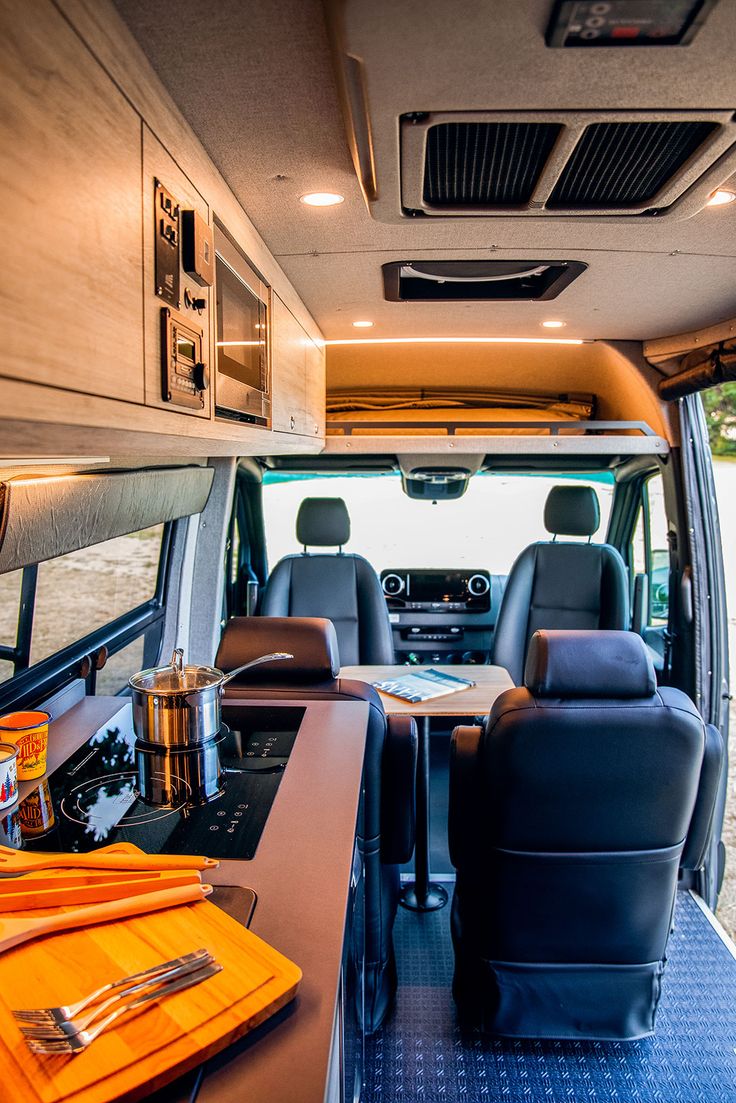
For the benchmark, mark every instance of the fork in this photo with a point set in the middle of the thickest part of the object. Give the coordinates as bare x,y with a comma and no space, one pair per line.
53,1018
75,1043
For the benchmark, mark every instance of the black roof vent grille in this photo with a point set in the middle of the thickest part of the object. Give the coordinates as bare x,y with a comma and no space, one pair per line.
625,164
561,164
485,164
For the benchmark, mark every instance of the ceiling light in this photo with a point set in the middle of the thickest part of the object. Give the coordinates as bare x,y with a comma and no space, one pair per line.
458,341
553,323
321,199
362,325
721,197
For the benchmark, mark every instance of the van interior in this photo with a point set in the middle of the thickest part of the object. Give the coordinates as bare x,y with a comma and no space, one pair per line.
364,642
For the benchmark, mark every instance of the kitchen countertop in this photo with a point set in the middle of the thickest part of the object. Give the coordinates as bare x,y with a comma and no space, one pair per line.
301,874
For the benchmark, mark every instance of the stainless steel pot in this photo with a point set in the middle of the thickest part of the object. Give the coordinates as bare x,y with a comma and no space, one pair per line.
179,777
178,705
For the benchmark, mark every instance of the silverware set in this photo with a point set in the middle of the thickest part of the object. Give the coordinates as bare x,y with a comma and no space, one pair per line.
66,1030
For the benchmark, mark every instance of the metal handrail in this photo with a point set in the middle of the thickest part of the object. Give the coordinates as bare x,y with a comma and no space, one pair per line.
451,427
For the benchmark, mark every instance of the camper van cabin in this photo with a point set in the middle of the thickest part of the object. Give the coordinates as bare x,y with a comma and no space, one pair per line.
363,633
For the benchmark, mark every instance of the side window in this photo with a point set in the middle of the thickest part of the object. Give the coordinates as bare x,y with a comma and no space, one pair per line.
650,550
108,595
658,560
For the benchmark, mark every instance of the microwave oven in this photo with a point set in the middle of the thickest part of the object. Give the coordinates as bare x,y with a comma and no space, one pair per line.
242,335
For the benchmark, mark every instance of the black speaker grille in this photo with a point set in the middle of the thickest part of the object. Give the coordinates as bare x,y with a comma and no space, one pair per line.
626,164
485,164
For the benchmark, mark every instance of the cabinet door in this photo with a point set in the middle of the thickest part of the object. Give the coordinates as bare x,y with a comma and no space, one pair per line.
288,370
71,308
315,411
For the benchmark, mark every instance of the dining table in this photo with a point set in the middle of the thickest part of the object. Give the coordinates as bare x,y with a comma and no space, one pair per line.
488,683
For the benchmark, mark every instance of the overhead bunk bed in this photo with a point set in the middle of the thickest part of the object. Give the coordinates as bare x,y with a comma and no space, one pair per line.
544,421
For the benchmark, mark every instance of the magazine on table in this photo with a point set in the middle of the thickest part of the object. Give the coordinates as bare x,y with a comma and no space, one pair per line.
423,685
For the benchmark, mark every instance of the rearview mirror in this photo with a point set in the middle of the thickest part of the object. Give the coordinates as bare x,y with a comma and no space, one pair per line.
434,483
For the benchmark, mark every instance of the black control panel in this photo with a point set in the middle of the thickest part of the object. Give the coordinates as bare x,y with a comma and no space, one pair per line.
184,251
437,591
442,615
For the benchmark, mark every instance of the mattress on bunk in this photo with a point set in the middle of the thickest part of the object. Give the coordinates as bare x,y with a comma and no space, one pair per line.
404,407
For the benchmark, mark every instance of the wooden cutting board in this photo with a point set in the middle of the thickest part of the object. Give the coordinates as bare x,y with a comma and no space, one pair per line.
153,1047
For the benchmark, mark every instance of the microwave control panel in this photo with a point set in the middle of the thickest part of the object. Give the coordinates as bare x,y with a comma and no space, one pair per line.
183,271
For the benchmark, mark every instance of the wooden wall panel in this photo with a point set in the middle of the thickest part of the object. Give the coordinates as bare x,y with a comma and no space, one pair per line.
315,402
289,370
71,308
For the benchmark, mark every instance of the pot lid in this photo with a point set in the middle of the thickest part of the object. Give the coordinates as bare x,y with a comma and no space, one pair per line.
176,677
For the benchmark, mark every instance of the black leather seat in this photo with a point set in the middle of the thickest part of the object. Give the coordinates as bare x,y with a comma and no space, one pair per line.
344,588
571,812
561,585
387,814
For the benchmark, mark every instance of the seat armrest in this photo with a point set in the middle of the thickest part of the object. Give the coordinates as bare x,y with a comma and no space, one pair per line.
464,792
398,790
701,823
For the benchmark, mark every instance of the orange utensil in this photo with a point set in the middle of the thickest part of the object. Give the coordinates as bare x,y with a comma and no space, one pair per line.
15,931
60,894
15,862
63,878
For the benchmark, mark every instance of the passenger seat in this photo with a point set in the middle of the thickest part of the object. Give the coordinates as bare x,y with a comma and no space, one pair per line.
343,588
387,813
571,812
561,585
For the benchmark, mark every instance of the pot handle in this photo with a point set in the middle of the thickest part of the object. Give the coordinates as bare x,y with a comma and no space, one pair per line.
276,656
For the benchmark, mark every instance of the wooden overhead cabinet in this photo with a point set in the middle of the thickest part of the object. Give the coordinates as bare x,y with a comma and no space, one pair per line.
298,376
72,309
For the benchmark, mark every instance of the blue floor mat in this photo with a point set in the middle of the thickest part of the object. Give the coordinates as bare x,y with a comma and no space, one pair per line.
420,1054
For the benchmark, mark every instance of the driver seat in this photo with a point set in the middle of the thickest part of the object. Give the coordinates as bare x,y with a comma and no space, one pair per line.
343,588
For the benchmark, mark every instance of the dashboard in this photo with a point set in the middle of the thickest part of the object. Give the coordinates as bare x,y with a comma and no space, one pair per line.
442,615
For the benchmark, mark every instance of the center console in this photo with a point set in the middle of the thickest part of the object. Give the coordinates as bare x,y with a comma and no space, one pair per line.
442,616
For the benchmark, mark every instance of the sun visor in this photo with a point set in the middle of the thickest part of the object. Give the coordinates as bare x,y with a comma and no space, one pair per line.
42,518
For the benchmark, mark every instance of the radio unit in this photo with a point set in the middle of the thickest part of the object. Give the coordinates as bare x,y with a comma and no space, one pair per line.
184,374
438,591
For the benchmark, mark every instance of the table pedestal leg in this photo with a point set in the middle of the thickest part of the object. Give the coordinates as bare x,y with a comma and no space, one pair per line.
422,895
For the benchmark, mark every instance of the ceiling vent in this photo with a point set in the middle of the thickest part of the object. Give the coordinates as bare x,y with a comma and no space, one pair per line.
485,164
558,163
478,280
626,164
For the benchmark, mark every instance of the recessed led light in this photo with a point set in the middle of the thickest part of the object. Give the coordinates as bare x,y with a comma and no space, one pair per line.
553,323
363,325
322,199
721,197
457,341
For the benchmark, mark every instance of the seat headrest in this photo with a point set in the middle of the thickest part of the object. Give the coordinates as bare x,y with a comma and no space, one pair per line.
311,640
589,664
572,511
323,522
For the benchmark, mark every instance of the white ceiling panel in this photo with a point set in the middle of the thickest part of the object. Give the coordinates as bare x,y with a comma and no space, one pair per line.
256,83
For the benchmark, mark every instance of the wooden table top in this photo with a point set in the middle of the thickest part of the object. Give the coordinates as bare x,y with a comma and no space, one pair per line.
490,682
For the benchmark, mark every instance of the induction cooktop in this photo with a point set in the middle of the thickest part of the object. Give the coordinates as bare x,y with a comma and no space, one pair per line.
212,800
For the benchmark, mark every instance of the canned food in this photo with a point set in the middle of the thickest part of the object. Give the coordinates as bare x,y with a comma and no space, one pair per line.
30,731
8,774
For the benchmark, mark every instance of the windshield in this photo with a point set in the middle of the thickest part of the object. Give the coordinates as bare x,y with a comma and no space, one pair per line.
497,517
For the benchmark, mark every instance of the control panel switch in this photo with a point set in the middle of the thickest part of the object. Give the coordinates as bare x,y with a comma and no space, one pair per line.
198,248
